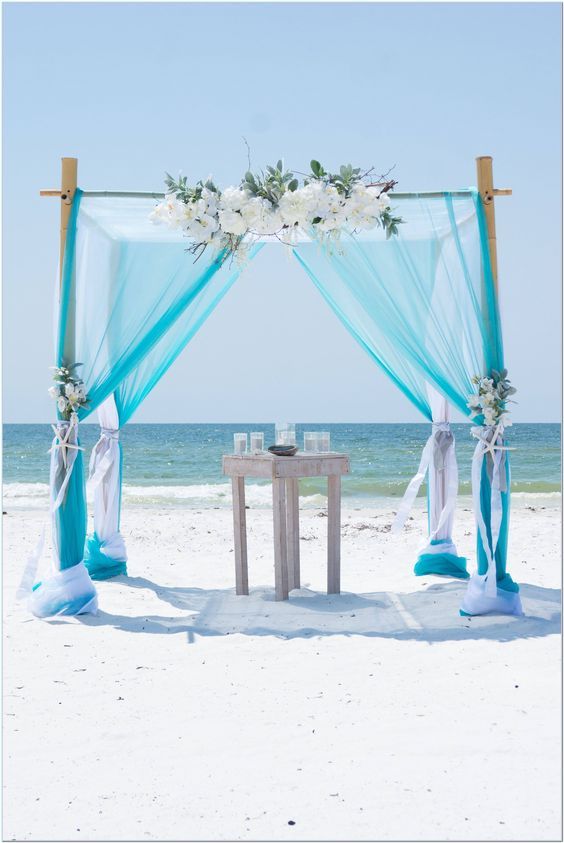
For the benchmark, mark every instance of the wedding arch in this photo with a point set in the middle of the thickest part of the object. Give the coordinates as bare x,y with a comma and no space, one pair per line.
412,276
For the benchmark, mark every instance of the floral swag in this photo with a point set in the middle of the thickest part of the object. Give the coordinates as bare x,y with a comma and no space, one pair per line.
275,203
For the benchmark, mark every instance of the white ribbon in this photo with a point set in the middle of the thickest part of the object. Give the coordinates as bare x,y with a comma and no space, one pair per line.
64,451
488,438
437,446
103,456
105,481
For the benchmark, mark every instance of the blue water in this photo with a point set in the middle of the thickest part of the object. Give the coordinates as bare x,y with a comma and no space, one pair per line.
181,463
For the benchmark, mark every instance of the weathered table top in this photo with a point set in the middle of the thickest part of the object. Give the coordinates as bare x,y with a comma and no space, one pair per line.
275,467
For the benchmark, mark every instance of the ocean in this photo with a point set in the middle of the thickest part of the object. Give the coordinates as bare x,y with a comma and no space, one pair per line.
180,464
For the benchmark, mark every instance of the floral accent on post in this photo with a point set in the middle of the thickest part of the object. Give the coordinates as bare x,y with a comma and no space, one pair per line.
69,392
273,203
491,398
490,402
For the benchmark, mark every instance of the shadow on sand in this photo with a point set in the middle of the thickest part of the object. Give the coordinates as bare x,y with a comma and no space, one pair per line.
426,615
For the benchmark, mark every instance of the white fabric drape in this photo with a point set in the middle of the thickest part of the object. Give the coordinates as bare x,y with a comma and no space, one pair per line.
443,478
438,461
105,480
68,592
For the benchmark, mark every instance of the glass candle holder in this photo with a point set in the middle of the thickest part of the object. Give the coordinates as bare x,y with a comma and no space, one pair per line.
324,441
239,443
257,442
310,441
285,433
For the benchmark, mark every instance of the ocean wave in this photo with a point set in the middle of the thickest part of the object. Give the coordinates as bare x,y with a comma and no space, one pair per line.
207,494
28,490
258,495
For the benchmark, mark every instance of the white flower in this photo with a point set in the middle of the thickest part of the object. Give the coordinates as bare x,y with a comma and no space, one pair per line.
489,416
232,222
69,389
62,404
54,391
315,195
261,216
297,207
489,399
169,212
233,199
360,209
505,420
335,203
474,402
487,384
203,228
210,201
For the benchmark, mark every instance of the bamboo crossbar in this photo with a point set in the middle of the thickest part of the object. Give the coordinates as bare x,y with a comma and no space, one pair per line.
146,194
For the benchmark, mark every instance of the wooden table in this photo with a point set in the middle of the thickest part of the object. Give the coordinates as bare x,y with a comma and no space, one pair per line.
285,473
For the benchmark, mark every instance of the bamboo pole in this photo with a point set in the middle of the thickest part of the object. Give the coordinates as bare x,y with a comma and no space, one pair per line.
69,171
484,169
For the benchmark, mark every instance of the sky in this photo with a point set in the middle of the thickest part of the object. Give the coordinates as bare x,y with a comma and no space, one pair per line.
135,89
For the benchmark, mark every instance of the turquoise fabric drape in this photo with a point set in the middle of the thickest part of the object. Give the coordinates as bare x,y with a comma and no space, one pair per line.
125,314
103,561
504,579
422,304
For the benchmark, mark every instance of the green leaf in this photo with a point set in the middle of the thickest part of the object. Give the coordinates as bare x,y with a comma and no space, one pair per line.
293,185
280,165
315,168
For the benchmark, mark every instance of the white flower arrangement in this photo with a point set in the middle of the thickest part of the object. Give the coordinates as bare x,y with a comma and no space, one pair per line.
69,391
274,203
490,400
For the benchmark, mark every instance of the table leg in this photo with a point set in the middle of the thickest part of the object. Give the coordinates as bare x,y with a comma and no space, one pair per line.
334,534
240,531
280,546
293,532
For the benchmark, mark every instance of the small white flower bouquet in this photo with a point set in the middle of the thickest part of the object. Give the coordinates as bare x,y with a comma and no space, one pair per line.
68,391
490,400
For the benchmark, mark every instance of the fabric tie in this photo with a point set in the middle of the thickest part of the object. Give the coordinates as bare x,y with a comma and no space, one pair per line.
63,452
103,455
439,448
444,440
490,445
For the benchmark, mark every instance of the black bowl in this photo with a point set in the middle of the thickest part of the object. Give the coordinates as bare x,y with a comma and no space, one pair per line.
283,450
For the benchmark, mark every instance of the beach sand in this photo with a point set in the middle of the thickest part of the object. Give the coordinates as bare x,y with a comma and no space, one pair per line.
183,712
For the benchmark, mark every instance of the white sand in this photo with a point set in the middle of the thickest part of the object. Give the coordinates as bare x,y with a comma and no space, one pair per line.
184,712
